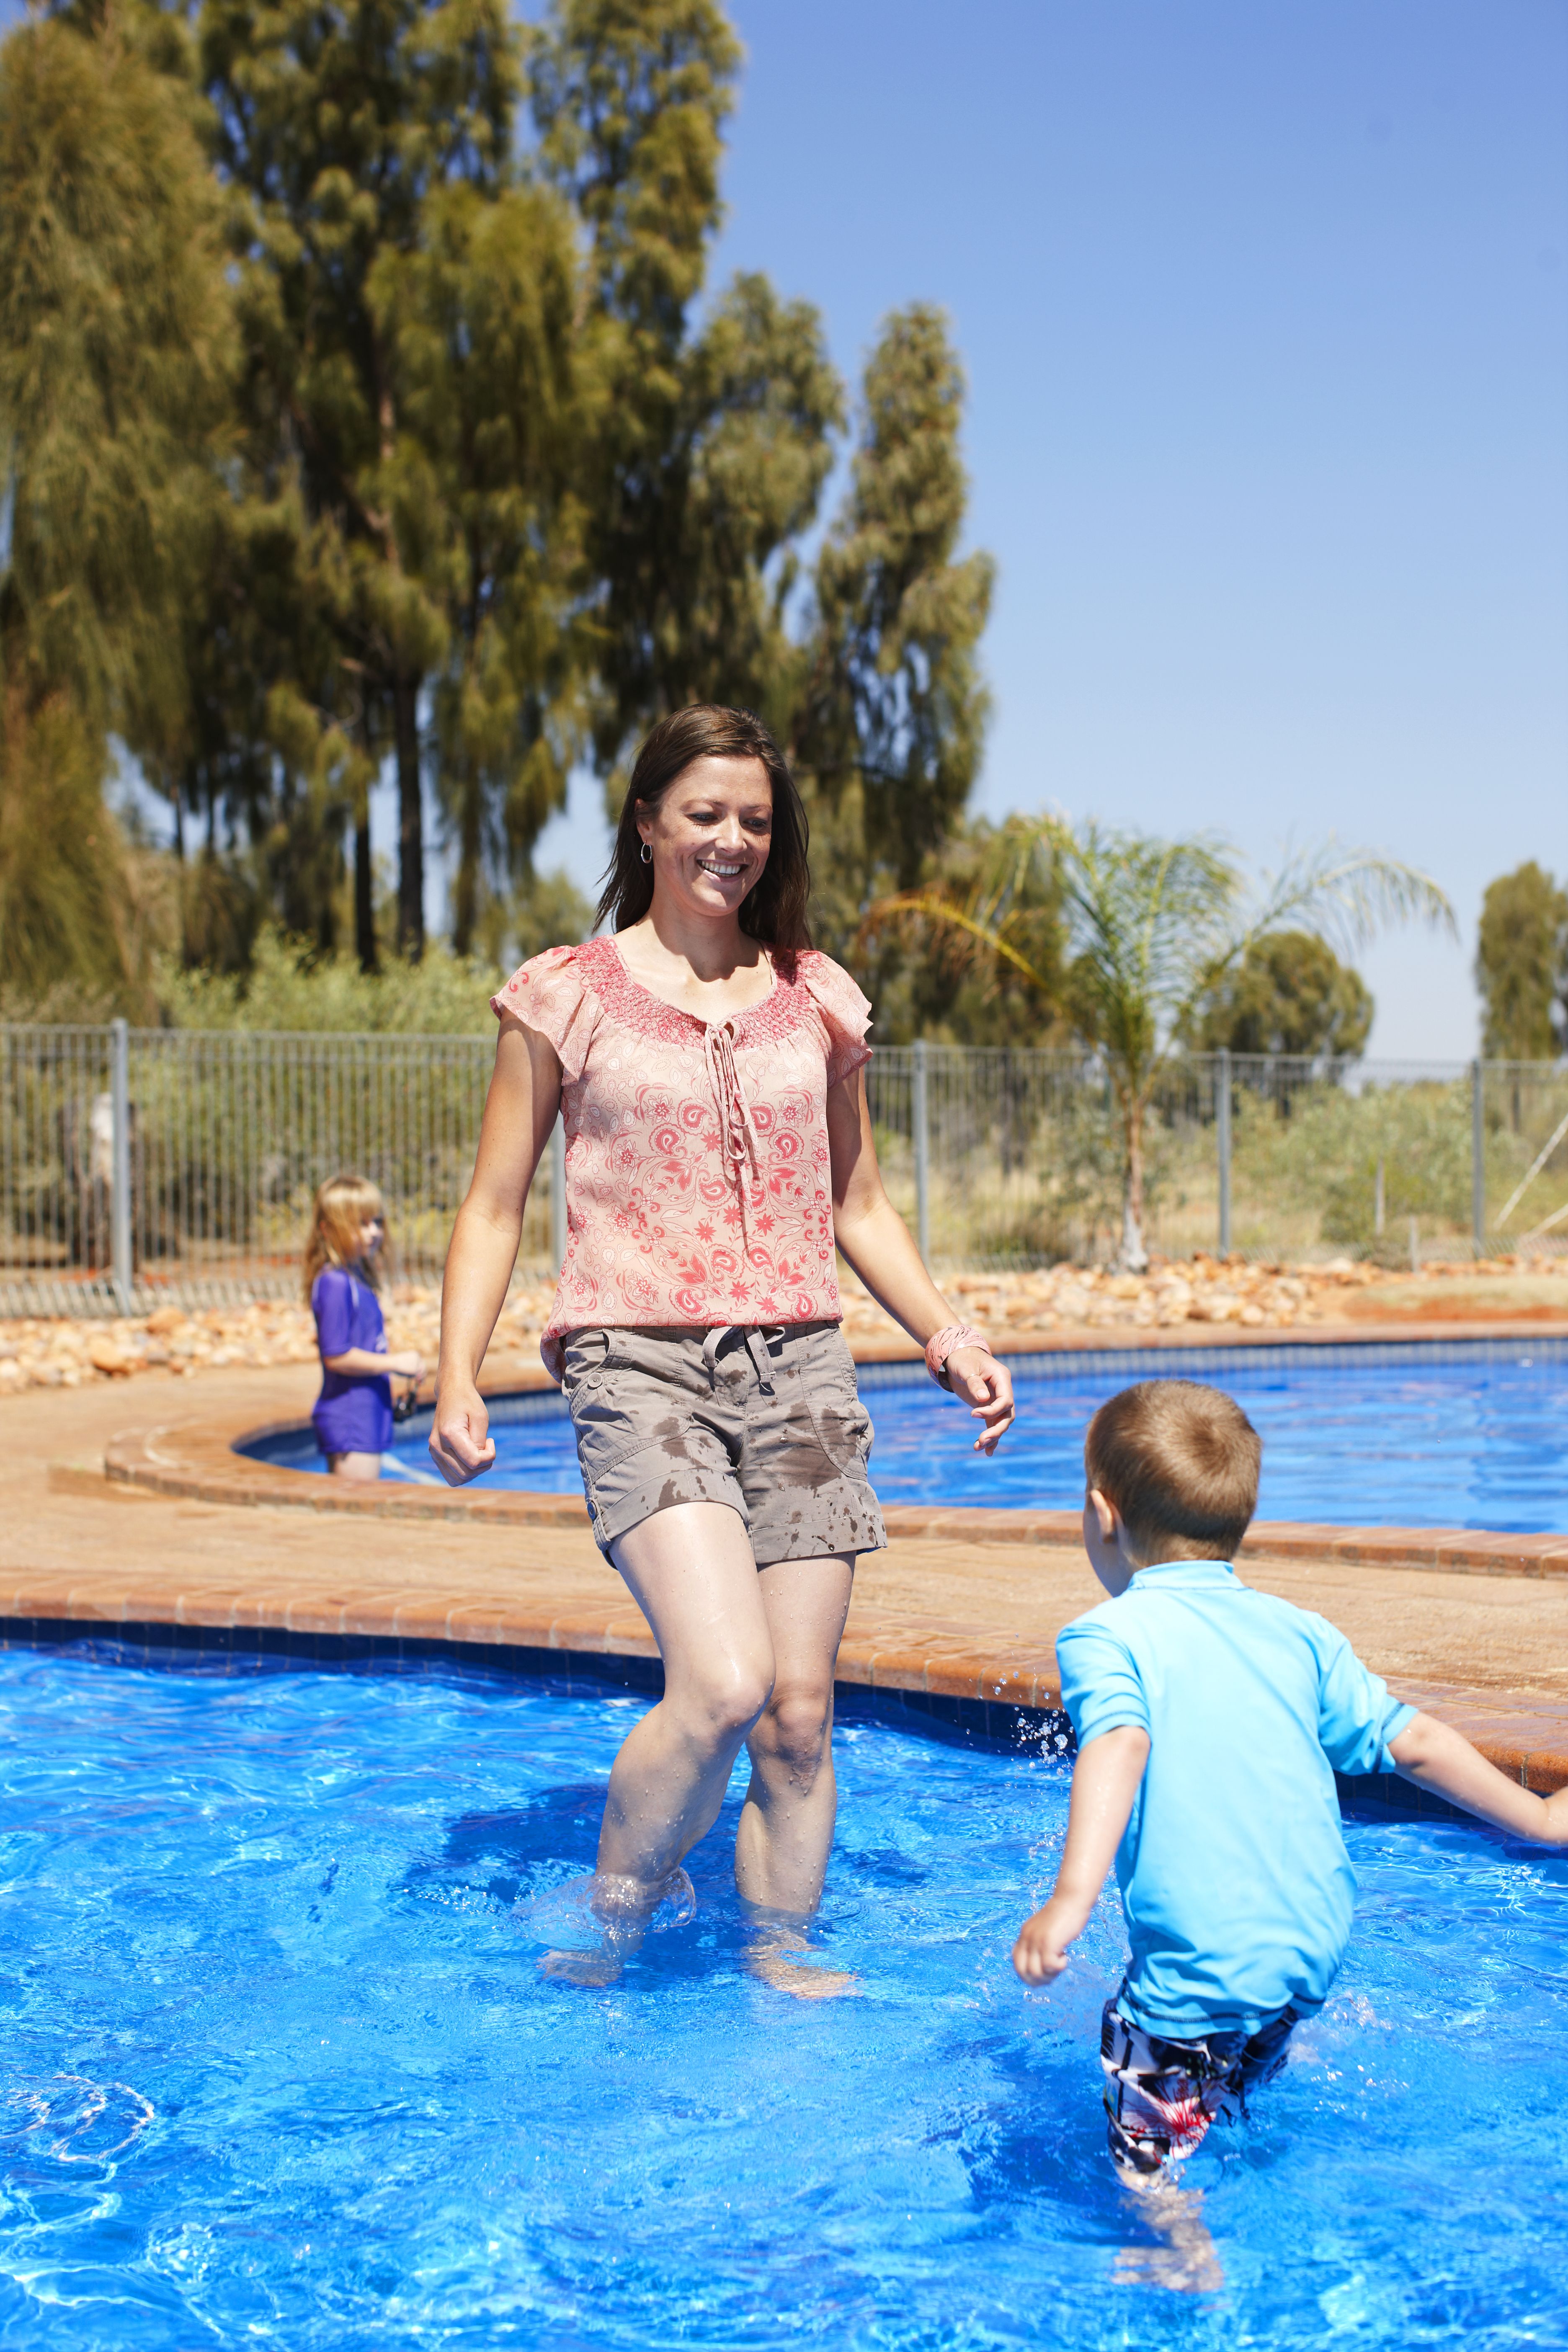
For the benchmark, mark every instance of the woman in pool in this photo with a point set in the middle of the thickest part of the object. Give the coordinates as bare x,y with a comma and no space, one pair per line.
352,1415
709,1067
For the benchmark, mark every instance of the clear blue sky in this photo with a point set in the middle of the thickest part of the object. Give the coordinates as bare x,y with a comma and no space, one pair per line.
1264,305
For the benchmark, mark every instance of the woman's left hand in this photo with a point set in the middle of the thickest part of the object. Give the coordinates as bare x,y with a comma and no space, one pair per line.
986,1387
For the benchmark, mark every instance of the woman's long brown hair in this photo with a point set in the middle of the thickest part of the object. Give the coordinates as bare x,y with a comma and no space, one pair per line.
774,909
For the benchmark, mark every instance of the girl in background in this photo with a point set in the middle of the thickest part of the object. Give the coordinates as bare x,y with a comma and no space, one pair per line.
352,1415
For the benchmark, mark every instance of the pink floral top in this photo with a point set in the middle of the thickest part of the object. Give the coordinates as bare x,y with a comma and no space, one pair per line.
697,1173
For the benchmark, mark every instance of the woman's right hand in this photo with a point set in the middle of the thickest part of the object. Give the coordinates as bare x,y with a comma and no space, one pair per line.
460,1445
409,1364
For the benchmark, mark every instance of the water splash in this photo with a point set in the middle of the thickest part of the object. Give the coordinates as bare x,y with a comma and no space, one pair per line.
599,1911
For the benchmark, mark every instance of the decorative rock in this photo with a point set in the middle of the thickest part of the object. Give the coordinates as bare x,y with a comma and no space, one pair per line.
35,1352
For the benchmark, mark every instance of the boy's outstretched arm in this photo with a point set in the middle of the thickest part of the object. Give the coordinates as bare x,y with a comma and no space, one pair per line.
1435,1756
1104,1783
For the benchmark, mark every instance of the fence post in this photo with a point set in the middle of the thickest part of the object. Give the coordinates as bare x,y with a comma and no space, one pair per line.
1222,1141
922,1152
558,1193
120,1266
1478,1159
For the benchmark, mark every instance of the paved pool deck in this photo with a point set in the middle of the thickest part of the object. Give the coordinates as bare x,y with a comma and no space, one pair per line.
943,1612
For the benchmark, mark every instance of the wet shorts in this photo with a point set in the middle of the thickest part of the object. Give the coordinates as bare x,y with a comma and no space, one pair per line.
767,1421
1162,2096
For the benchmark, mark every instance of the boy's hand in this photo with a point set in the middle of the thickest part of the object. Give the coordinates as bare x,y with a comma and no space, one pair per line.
1041,1950
409,1364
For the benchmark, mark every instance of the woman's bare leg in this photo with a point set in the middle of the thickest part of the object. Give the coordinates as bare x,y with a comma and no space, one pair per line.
691,1572
786,1827
361,1467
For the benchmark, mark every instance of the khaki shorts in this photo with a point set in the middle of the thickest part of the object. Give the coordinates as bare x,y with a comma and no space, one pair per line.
766,1421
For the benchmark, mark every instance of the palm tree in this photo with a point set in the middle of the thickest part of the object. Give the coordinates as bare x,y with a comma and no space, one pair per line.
1149,926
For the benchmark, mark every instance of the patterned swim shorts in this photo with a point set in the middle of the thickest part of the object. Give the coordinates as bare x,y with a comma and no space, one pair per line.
768,1420
1161,2096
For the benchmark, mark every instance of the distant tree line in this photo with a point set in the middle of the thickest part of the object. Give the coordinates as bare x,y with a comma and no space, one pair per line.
361,406
364,407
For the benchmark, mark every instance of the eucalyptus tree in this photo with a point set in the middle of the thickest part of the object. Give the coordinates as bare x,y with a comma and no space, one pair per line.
1522,965
695,607
704,449
1288,994
479,320
116,356
333,128
1149,930
892,708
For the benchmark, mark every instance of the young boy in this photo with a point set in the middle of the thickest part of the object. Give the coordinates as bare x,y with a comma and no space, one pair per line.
1210,1722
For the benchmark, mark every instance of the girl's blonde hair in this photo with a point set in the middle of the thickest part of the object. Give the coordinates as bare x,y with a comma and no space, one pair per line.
342,1204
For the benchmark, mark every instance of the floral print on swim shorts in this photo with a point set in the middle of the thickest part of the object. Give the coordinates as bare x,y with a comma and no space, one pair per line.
1160,2096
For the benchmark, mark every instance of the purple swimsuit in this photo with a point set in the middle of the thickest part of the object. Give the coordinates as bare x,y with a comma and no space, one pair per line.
354,1412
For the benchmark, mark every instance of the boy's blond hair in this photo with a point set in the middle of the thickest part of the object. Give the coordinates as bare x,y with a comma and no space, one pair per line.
1180,1463
342,1204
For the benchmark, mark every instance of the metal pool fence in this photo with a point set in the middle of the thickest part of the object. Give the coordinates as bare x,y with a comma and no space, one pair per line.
1015,1157
142,1165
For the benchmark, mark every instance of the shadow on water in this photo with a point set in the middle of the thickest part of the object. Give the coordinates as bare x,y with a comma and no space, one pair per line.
514,1854
1023,2150
507,1863
883,1864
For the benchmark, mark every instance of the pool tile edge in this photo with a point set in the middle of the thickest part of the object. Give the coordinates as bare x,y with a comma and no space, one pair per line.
196,1461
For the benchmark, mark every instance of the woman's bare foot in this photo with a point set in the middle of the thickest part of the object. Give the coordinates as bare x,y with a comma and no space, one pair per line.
771,1957
622,1910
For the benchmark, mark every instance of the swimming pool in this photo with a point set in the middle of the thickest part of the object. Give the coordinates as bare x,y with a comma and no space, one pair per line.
1469,1434
279,2068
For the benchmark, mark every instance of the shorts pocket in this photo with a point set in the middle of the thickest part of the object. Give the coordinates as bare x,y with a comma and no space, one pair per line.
584,1361
842,1423
614,1403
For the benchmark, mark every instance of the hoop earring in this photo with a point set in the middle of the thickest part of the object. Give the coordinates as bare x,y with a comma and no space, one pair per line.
647,854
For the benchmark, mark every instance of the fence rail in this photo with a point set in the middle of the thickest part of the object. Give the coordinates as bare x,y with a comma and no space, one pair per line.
142,1165
138,1166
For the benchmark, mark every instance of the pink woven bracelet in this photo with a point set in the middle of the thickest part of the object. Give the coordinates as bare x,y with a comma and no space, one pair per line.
944,1343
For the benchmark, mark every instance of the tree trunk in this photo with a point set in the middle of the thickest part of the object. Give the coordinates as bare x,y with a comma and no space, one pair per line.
365,892
1132,1258
410,819
466,882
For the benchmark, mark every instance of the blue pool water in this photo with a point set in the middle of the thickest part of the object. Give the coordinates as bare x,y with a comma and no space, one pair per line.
280,2069
1473,1435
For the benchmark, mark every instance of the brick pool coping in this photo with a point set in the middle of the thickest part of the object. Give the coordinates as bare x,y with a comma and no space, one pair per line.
940,1672
196,1460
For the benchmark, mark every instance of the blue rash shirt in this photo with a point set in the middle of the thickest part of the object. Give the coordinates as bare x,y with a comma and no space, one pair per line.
1234,1881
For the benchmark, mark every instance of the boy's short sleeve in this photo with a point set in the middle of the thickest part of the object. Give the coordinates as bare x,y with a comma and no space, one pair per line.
332,1304
1356,1717
1100,1687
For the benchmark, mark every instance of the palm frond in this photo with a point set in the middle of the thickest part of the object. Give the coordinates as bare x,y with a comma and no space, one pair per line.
984,940
1347,896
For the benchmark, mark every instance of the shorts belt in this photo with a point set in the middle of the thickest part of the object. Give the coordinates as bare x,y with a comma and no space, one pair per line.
754,1337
